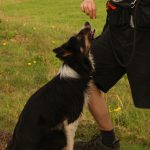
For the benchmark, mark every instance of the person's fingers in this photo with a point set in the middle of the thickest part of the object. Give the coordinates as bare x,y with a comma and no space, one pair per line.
82,8
89,9
94,12
86,9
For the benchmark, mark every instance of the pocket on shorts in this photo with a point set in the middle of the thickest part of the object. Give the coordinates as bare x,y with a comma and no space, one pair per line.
143,15
119,17
113,17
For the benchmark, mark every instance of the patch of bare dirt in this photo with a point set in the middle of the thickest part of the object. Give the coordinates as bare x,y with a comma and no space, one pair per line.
19,39
4,139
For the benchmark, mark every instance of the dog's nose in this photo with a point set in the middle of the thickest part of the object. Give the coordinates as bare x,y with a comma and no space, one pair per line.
87,25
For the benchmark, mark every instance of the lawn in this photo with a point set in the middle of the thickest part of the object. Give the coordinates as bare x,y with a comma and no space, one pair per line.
29,31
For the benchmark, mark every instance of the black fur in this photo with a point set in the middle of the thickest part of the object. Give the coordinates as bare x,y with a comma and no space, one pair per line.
40,125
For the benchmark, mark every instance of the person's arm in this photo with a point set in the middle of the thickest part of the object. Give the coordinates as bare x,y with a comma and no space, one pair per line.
89,7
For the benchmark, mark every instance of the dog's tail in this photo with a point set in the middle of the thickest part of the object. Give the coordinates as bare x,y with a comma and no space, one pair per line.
55,140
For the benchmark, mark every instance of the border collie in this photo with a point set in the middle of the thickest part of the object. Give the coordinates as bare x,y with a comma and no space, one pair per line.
49,118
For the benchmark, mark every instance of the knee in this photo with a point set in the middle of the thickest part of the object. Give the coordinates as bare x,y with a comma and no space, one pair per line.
93,89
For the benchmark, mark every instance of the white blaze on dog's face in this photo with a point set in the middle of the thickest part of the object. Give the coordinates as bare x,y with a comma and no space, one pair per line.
85,36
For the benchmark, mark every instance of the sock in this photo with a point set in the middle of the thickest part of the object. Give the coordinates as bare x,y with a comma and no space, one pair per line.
108,137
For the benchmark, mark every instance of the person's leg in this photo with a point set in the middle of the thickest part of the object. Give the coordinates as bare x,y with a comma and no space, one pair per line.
99,109
106,139
107,73
139,69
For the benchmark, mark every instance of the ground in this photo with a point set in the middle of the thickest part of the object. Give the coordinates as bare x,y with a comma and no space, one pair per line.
4,139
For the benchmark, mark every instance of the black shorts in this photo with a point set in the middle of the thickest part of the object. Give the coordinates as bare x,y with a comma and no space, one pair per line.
112,51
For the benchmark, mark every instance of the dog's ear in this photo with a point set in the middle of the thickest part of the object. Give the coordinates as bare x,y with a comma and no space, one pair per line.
67,49
61,52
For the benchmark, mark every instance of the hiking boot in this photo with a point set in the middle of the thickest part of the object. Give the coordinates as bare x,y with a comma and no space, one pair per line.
96,144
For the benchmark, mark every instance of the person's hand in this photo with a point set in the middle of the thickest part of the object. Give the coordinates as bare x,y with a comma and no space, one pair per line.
89,7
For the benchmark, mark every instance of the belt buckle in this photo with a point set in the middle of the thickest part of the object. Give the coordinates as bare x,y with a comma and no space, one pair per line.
132,5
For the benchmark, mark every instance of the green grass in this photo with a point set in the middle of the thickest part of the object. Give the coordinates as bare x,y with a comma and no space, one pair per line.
134,147
29,30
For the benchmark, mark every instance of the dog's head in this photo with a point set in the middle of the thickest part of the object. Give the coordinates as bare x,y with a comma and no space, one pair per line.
77,45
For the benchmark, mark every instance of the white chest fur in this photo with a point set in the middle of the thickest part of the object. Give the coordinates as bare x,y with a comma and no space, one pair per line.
68,72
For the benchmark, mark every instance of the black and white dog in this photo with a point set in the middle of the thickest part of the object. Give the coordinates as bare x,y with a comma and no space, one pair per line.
49,119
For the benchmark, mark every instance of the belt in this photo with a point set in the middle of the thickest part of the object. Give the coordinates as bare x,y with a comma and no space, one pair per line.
120,3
